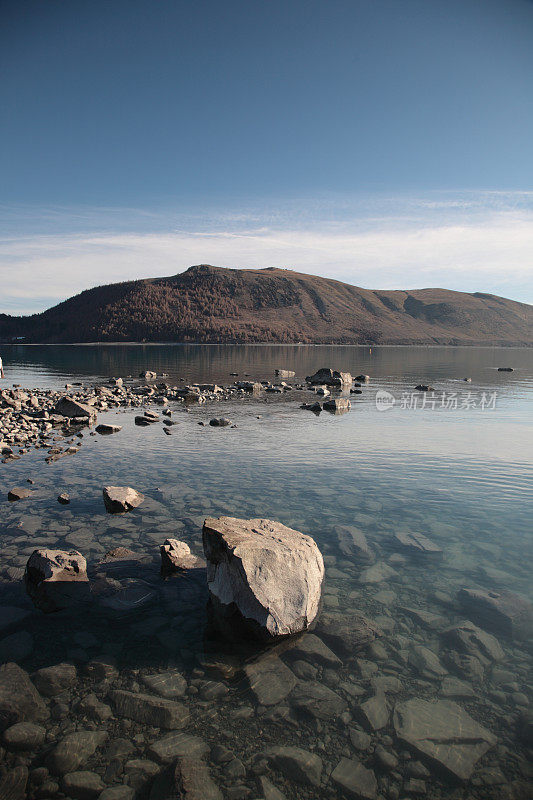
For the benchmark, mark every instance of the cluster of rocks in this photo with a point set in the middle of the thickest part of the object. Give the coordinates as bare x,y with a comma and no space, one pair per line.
41,418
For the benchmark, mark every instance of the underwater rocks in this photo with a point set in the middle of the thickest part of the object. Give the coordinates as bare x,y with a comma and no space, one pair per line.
262,575
355,780
156,711
119,499
352,543
501,612
57,579
444,733
19,699
417,544
347,635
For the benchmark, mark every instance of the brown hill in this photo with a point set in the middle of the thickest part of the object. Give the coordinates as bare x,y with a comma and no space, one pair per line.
212,304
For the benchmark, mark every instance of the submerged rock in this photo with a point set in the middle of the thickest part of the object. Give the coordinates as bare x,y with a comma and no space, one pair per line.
418,545
355,780
119,499
188,778
57,579
352,543
468,638
145,708
347,635
263,575
74,750
502,612
444,733
296,764
270,679
19,699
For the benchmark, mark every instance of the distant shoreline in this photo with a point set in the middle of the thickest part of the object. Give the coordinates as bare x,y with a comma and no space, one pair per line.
269,344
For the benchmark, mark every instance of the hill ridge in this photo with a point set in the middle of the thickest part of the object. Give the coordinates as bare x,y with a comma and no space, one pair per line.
206,303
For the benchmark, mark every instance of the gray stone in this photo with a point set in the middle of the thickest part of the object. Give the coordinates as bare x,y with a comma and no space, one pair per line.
359,739
468,638
13,784
106,429
355,780
57,579
373,713
74,750
501,612
187,779
296,764
168,684
268,790
82,785
317,700
19,699
426,662
378,573
311,647
145,708
54,680
353,544
337,404
347,635
24,736
267,575
444,733
454,688
117,793
177,744
285,373
270,679
417,544
119,499
92,707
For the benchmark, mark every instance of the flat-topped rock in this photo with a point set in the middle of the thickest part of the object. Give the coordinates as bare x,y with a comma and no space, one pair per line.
502,612
296,764
443,733
468,638
119,499
262,574
270,679
145,708
188,779
106,429
57,579
417,544
355,780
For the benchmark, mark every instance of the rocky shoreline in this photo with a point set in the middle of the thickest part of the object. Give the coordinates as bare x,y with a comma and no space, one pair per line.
44,419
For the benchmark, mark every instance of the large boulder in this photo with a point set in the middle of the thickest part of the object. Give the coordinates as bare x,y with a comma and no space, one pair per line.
68,407
502,612
443,733
330,377
119,499
261,575
57,579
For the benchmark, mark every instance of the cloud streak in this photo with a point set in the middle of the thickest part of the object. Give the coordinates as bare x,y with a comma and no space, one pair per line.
486,248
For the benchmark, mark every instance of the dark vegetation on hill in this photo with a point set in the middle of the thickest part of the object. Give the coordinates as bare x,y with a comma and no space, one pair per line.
212,304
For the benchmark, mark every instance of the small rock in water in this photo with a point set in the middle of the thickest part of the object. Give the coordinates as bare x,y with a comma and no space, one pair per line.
220,422
63,498
176,555
51,681
19,699
505,369
119,499
57,579
355,780
502,612
82,785
296,764
106,429
24,736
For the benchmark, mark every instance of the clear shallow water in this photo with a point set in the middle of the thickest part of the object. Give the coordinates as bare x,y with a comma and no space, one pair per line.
462,476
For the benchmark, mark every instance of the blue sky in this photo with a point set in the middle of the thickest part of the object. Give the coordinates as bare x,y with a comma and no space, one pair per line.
380,142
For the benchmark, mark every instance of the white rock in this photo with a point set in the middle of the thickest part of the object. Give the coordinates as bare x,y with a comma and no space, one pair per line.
270,574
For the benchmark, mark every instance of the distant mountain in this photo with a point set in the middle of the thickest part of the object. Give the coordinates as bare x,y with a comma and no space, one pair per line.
212,304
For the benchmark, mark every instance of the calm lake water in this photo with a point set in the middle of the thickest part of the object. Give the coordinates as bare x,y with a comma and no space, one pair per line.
455,466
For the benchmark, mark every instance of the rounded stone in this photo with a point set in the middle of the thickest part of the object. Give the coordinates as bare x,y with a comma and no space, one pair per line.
24,736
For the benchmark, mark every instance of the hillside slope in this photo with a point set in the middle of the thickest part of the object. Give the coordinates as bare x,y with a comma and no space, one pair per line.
212,304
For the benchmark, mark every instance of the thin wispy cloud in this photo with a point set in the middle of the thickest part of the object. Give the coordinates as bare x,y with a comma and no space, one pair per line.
467,243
